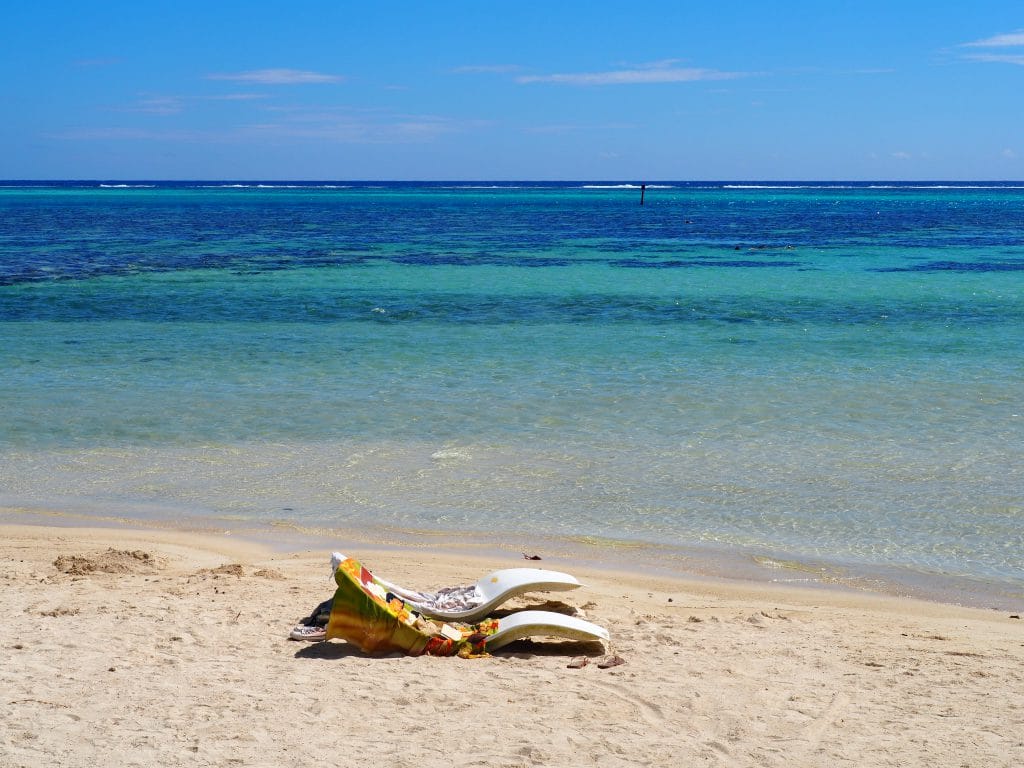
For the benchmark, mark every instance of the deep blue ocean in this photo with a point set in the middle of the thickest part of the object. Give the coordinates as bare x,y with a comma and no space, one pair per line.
818,382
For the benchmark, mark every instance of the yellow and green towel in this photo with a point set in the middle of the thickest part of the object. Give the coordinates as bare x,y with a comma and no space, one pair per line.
365,614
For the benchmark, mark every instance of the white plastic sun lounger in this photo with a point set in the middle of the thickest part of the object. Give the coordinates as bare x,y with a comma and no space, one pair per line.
516,626
377,621
478,600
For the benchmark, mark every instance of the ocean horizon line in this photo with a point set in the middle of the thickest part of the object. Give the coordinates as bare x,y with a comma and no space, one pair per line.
483,185
480,179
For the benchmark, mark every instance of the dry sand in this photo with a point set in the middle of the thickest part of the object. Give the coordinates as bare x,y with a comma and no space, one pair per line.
155,648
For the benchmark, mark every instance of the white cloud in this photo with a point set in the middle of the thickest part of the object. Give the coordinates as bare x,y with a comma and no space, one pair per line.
349,126
106,61
105,134
157,105
660,64
901,155
238,97
1010,40
999,41
276,77
564,128
1003,58
552,128
492,69
1009,154
661,72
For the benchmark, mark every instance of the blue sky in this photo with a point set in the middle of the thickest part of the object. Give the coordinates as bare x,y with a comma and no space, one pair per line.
499,90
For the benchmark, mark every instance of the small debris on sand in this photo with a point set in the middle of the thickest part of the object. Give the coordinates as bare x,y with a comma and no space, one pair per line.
269,573
60,611
232,569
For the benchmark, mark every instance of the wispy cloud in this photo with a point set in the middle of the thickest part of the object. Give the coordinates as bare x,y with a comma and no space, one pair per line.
149,104
157,105
1000,58
1009,40
135,134
564,128
998,41
237,97
276,123
553,128
105,61
352,131
657,72
276,77
487,69
356,126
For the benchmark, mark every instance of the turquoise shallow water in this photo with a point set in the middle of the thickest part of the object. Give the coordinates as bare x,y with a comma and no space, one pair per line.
828,375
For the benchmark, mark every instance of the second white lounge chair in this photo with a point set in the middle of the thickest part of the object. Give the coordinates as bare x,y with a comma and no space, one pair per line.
516,626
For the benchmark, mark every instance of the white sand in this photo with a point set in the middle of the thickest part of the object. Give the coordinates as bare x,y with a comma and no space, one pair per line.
171,663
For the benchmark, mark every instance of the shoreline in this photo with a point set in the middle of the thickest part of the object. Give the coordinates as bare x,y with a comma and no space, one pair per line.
223,546
698,564
180,657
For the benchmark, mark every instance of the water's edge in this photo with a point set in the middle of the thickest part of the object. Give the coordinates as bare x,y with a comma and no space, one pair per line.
698,562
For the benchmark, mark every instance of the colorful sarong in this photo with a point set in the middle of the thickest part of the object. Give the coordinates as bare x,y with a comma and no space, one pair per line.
365,614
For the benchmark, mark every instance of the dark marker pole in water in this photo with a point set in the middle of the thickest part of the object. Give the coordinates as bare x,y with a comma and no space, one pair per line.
643,188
